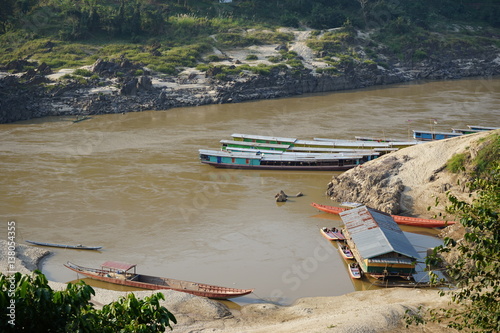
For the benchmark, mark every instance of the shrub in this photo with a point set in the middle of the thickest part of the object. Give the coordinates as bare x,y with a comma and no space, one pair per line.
456,163
252,57
82,72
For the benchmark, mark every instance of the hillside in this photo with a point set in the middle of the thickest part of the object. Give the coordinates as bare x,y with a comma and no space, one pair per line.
413,179
93,57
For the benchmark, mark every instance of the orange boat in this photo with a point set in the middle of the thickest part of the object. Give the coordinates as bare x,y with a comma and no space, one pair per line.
403,220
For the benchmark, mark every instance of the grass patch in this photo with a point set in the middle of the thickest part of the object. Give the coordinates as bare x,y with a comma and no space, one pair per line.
456,163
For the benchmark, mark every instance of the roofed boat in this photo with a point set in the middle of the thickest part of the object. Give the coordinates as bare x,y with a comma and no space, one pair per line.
280,161
378,244
76,247
403,220
125,274
319,143
482,128
432,135
367,143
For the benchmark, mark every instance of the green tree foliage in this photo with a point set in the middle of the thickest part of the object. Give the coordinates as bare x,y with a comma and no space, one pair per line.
476,272
28,304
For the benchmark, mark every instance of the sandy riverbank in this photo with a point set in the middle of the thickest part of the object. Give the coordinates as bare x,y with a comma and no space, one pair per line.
363,311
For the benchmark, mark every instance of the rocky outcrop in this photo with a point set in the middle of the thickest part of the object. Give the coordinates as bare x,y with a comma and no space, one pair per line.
375,185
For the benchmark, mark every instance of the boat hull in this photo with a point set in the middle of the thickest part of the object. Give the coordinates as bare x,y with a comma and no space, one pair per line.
402,220
198,289
281,167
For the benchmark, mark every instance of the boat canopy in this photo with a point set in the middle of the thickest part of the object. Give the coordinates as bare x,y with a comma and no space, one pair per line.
118,265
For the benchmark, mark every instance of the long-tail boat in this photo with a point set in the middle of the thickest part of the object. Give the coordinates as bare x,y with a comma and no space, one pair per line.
64,246
403,220
125,274
281,160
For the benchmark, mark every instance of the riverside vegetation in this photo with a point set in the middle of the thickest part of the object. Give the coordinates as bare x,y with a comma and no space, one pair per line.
348,44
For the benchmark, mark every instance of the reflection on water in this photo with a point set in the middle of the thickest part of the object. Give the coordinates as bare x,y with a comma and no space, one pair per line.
133,184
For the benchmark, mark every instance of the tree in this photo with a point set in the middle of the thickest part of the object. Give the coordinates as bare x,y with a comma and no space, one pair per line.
476,272
30,305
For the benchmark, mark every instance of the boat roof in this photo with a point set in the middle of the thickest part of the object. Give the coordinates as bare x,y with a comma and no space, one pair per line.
254,144
338,150
487,128
361,143
263,137
117,265
435,132
375,233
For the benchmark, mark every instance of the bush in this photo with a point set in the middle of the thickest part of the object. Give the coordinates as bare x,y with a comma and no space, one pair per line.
252,57
38,308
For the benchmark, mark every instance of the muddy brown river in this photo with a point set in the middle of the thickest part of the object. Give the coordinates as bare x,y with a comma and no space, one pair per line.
133,184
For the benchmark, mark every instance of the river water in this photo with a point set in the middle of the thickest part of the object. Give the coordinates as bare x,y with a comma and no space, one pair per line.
133,184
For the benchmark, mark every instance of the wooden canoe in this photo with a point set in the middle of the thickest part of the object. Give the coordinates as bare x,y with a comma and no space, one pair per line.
121,273
76,247
331,235
403,220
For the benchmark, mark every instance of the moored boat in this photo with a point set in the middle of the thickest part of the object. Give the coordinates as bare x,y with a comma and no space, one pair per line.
125,274
76,247
402,220
366,143
280,161
432,135
354,270
345,251
482,128
333,234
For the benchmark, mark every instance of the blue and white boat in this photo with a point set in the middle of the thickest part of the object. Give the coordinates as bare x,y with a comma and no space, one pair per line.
432,135
277,160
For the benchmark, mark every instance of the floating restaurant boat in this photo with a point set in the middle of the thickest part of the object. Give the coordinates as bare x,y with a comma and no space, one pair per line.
333,234
122,273
280,160
74,247
378,244
403,220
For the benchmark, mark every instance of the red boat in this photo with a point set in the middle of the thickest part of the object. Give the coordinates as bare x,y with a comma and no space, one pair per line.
122,273
403,220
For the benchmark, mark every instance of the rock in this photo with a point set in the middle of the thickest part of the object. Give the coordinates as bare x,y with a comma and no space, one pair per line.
129,87
281,196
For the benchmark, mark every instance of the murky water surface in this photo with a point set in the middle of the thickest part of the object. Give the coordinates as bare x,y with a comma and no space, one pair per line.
133,184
